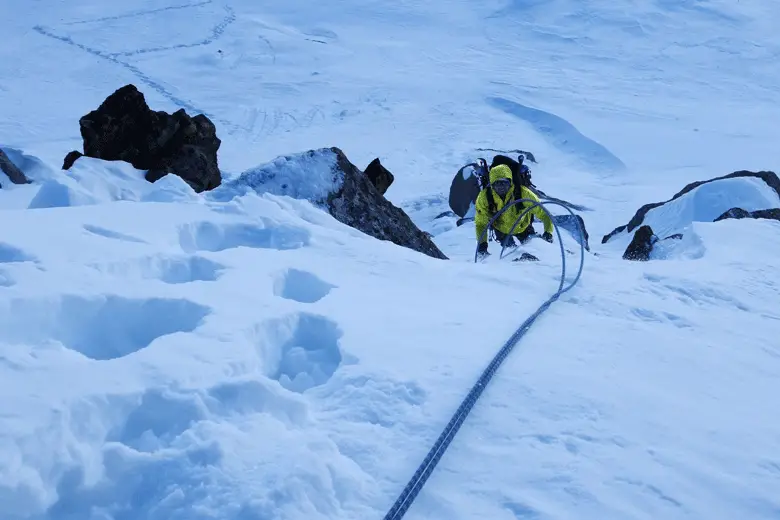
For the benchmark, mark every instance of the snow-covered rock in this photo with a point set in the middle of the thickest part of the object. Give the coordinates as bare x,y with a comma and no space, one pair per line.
11,170
327,179
705,201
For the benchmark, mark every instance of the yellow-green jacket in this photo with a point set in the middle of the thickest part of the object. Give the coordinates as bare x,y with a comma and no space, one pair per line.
507,219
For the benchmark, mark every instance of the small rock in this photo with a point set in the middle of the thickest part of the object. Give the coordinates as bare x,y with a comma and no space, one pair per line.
739,213
526,257
641,245
14,174
70,159
379,176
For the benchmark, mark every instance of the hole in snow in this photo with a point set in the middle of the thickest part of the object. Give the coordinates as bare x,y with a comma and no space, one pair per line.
101,328
301,286
9,254
172,270
158,418
207,236
302,350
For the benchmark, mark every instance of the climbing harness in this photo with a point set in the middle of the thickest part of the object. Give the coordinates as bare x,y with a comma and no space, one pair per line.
420,477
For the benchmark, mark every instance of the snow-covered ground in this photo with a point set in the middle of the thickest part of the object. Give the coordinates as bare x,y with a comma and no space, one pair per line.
167,355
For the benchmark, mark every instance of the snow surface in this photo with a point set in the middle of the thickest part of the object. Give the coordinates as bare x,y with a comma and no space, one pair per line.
312,176
168,355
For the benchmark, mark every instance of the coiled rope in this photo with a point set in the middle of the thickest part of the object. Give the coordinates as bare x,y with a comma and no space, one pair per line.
420,477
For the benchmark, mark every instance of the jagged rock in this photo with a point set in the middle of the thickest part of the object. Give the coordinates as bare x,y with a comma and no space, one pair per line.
14,174
739,213
770,178
70,159
641,245
327,179
379,176
643,242
124,128
526,257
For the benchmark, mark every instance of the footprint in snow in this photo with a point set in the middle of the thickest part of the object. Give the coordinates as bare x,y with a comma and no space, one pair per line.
99,327
301,350
167,269
265,234
11,254
301,286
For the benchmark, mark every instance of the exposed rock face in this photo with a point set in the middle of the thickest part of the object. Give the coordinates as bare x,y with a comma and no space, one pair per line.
70,159
379,176
329,180
739,213
641,245
124,128
770,178
14,174
360,205
643,242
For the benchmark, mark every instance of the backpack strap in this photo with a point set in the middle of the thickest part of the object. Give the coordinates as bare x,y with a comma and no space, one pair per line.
491,202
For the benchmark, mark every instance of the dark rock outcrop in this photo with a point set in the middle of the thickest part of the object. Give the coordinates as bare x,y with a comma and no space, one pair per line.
14,174
124,128
379,176
641,245
643,242
739,213
769,177
526,257
360,205
340,188
70,159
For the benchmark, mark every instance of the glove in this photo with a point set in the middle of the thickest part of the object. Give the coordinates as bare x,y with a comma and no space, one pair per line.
482,250
547,237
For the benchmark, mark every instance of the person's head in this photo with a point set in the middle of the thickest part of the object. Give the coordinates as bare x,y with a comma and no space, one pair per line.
501,179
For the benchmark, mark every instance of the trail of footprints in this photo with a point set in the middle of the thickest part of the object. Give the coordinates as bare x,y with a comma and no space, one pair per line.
105,327
303,345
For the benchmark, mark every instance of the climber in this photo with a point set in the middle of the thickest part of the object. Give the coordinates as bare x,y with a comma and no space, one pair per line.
501,191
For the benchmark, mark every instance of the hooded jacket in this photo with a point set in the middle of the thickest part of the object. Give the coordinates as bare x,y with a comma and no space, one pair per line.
505,222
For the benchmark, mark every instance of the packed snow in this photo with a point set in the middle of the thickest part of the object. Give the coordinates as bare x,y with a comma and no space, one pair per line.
241,354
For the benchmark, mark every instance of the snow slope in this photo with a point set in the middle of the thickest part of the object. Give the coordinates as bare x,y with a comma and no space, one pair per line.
167,355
